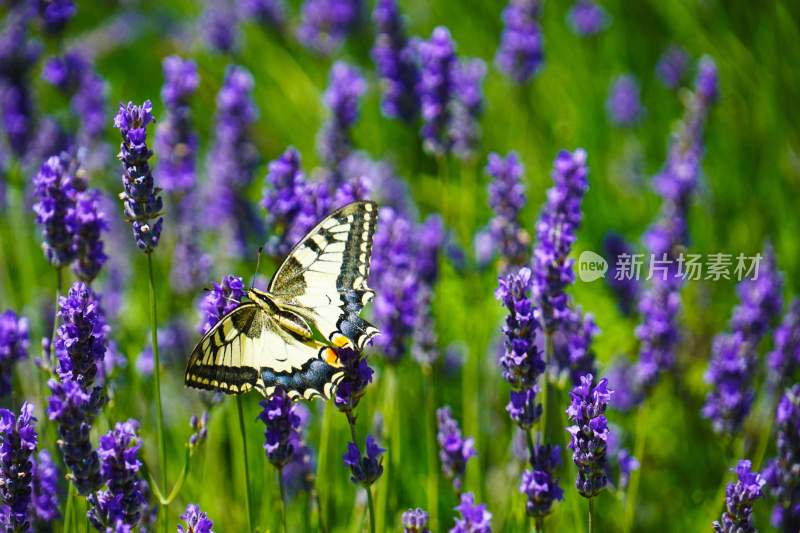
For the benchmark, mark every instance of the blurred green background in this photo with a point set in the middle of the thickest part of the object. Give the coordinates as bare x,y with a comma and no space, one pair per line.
748,194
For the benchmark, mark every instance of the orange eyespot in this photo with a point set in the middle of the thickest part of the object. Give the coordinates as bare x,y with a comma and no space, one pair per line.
330,356
340,340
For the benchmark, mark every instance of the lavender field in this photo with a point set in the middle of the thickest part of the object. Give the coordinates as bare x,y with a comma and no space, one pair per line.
574,224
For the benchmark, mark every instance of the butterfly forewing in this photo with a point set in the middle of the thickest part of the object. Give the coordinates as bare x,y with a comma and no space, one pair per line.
325,275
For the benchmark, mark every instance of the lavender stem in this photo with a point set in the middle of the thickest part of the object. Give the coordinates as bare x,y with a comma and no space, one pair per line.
351,419
243,432
283,499
591,515
433,474
162,447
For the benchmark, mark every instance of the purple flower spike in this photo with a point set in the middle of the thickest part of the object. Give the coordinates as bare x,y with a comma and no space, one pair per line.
325,24
220,26
466,106
342,97
196,521
781,473
586,18
223,298
474,517
357,375
282,433
558,222
589,434
415,521
572,345
784,360
395,61
14,344
455,450
90,224
55,14
707,82
199,427
507,198
18,440
760,300
671,68
540,484
140,197
269,13
122,504
625,289
739,499
624,105
74,410
437,57
54,191
368,468
176,141
521,54
45,489
80,340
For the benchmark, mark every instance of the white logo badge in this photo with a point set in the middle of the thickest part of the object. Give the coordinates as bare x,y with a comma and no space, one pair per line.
591,266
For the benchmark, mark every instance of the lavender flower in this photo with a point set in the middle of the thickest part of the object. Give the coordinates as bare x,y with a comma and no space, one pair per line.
90,222
587,18
176,141
521,54
555,231
781,473
572,345
365,469
191,265
784,359
507,198
395,61
623,105
455,450
342,96
707,82
14,344
45,489
325,24
474,517
671,68
18,441
437,57
54,192
80,339
199,427
739,499
55,13
466,106
540,484
589,434
121,505
415,521
74,410
625,289
220,26
620,461
18,55
140,196
357,374
297,475
735,355
282,427
223,298
430,242
393,276
268,13
622,378
760,299
234,158
196,521
65,72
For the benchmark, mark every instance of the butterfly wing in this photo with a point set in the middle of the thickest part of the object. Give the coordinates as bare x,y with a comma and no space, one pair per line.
325,275
247,350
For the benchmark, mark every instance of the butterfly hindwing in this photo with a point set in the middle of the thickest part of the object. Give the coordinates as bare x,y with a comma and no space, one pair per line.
325,275
246,349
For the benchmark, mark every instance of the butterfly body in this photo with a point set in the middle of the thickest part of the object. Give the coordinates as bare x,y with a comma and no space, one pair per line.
288,335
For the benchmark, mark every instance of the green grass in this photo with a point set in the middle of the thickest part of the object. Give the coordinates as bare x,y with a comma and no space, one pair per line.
748,194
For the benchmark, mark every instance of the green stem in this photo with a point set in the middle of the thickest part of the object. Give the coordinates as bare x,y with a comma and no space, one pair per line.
546,385
539,525
591,515
283,500
243,432
321,522
322,469
633,487
162,445
68,507
433,472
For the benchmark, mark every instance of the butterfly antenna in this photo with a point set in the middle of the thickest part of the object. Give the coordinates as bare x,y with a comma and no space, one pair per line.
258,265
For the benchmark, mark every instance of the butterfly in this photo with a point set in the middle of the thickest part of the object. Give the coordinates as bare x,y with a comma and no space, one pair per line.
288,335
